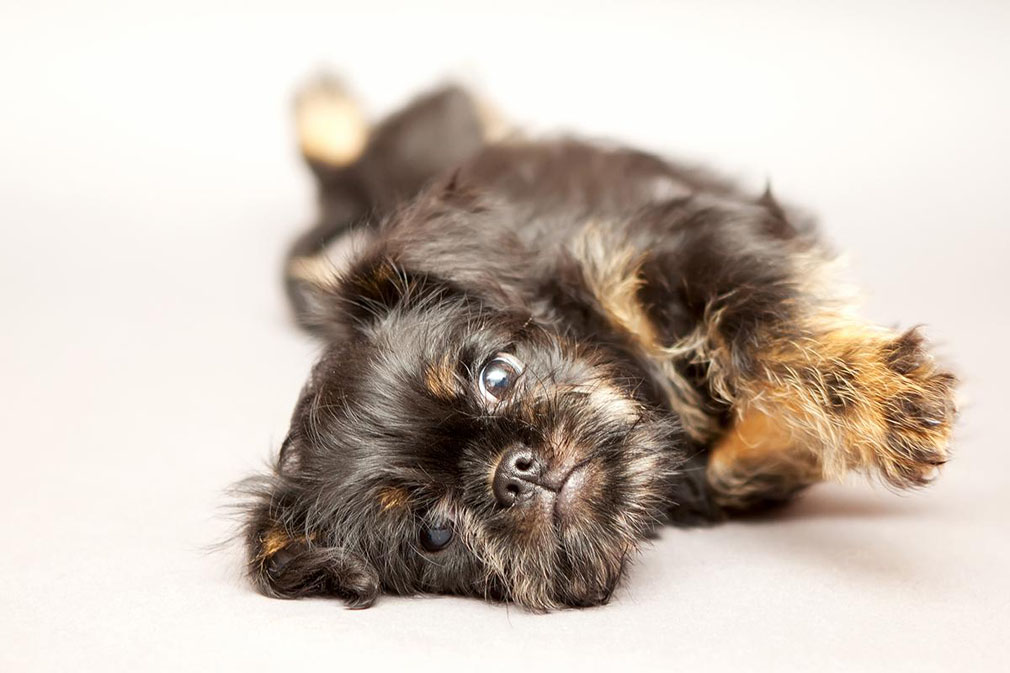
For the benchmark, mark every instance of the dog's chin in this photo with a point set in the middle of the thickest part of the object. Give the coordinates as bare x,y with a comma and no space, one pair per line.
595,550
584,544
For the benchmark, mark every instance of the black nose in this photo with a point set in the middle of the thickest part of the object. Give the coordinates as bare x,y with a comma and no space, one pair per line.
516,476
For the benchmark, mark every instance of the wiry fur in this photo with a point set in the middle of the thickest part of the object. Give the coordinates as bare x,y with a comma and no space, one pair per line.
681,350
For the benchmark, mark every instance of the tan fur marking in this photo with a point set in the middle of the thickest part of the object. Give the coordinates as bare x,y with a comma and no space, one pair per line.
277,539
393,497
756,448
897,422
612,271
614,403
273,542
384,273
752,438
493,124
837,398
317,270
440,378
330,126
563,451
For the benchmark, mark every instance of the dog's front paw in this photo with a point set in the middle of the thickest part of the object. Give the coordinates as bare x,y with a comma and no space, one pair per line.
917,406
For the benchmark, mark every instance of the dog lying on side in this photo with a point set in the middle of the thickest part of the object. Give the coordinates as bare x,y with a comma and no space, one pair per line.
536,352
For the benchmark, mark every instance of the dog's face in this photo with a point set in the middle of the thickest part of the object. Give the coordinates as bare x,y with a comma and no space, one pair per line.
446,447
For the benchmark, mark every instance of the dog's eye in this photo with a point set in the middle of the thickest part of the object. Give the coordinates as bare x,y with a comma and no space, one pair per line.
498,376
436,537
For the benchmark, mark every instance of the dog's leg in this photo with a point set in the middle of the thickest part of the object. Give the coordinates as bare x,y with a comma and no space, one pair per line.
331,127
836,396
778,378
364,173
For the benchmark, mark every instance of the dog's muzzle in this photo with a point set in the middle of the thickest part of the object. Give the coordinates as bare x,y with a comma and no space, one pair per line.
523,478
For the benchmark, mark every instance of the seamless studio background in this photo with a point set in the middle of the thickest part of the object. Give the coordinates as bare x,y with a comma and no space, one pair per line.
149,185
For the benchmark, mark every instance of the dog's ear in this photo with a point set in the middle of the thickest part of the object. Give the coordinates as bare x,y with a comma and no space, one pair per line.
368,290
285,564
288,555
314,273
288,566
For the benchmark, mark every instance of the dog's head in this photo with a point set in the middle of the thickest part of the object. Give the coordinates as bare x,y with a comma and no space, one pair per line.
450,444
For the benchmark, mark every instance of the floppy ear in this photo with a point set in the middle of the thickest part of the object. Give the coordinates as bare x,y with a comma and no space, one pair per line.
364,174
286,556
283,564
368,289
313,273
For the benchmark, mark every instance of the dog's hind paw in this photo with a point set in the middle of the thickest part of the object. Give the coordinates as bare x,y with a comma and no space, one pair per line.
331,127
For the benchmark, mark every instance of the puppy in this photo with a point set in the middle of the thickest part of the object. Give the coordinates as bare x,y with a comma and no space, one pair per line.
536,352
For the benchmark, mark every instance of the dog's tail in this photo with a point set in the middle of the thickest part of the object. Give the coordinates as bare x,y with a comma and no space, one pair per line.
364,173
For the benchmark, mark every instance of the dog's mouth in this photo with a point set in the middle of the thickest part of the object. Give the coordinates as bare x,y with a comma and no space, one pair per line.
568,493
570,541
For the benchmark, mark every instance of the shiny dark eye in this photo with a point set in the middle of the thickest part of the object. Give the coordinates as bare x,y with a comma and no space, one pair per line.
499,376
436,537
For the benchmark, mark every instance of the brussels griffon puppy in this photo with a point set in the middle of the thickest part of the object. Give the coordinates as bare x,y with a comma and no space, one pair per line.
536,352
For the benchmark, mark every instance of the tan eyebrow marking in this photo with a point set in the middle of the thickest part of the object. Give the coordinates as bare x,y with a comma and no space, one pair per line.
393,497
440,378
277,539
